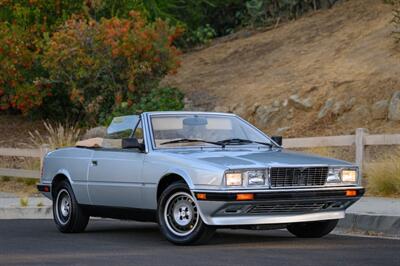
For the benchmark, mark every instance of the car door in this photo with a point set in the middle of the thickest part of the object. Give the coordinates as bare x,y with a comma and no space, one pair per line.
115,174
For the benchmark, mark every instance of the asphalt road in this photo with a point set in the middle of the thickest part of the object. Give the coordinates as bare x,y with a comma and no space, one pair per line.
108,242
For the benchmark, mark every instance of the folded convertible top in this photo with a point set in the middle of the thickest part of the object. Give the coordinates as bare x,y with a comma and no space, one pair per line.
100,143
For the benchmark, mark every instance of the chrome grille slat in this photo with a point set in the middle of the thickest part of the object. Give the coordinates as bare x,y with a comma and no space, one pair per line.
297,176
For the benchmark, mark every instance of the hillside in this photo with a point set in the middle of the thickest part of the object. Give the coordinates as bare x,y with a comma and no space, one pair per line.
327,73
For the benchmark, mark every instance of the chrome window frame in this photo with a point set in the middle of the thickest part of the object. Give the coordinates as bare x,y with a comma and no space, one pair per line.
141,117
151,134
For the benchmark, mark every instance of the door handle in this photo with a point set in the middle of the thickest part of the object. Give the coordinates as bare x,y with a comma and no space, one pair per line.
94,163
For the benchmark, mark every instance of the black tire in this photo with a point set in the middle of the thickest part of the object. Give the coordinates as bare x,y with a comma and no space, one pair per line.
68,216
312,229
176,198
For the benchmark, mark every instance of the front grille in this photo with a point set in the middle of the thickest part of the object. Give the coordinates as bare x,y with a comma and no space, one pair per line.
288,207
297,176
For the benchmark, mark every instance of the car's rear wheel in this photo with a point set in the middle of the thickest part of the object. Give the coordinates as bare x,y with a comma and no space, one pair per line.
68,215
179,217
312,229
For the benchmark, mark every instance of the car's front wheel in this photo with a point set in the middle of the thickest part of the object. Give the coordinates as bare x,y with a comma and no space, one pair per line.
68,215
312,229
179,217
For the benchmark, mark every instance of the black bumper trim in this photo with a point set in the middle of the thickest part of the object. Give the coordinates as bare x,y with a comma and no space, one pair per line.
271,195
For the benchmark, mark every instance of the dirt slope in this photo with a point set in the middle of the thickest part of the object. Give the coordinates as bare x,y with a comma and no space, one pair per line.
14,131
342,60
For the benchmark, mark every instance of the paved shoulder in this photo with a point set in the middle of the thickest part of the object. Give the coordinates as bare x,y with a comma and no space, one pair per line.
376,206
13,207
373,216
109,242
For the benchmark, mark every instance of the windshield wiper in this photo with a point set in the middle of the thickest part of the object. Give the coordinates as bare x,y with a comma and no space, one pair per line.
192,140
237,141
223,143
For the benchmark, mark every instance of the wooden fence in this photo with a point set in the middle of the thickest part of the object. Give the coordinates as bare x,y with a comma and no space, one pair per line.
33,153
360,140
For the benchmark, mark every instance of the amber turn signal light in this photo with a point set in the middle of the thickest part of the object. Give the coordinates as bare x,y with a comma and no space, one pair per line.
351,193
244,196
201,196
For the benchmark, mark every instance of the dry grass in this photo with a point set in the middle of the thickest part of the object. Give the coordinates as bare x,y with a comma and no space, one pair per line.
22,187
19,162
19,186
54,136
383,176
24,202
321,151
58,135
341,153
396,20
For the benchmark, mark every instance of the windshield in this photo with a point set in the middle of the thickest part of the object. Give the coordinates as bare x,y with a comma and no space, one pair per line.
206,130
122,126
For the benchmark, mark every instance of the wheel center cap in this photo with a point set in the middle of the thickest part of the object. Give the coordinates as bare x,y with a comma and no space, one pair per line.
182,214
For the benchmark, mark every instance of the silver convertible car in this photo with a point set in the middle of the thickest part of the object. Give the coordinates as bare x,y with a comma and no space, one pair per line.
195,172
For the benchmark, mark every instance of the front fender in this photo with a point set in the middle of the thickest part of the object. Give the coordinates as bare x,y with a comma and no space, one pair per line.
182,173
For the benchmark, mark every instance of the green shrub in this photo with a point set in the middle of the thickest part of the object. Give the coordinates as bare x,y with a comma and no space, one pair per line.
100,65
159,99
200,18
39,16
224,16
19,68
202,35
162,99
124,58
24,27
266,12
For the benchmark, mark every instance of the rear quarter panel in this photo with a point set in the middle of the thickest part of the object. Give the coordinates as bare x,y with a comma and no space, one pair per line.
73,163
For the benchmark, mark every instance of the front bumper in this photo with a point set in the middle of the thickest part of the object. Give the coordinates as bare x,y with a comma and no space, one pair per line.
220,208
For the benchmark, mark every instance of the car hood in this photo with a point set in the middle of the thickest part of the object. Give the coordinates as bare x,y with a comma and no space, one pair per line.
248,158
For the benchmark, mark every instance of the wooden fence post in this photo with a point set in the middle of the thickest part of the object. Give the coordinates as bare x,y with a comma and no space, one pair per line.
360,142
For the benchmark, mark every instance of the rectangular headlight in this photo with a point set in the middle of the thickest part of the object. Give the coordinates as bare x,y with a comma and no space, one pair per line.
333,176
233,179
349,176
255,178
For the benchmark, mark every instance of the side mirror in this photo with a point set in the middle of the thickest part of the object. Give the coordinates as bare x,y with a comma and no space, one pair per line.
277,139
132,143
